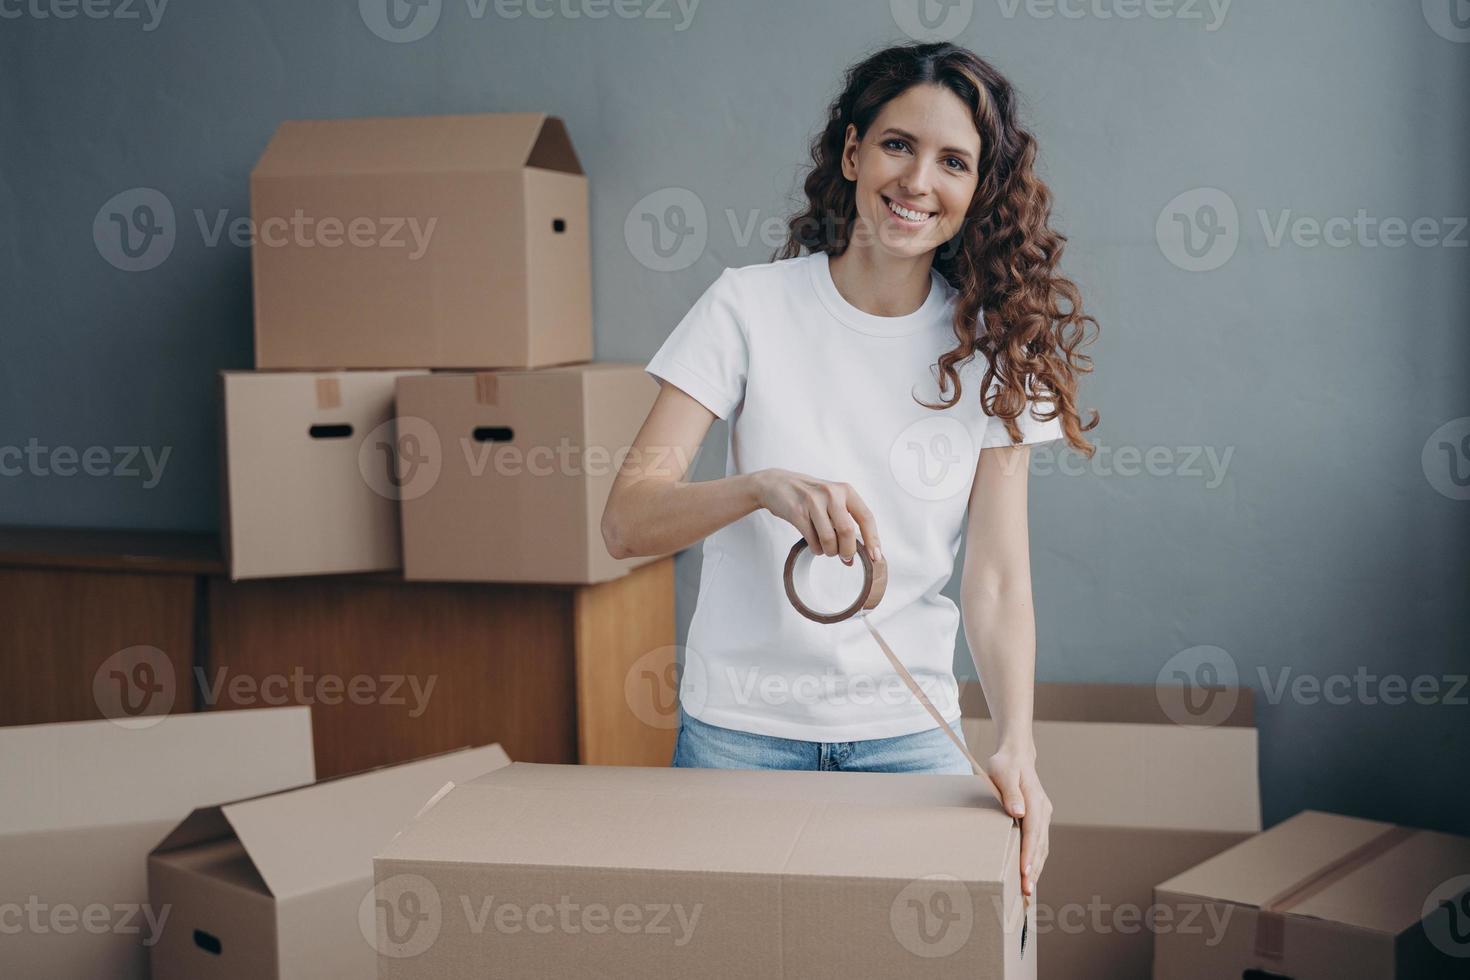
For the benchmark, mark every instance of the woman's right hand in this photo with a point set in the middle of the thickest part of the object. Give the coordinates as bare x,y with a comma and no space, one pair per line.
831,516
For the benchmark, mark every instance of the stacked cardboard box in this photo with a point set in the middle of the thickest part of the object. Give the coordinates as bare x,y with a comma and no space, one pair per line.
444,262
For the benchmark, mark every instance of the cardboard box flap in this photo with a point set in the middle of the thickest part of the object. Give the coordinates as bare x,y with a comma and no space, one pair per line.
656,819
322,835
1111,758
1386,894
489,142
101,773
1258,870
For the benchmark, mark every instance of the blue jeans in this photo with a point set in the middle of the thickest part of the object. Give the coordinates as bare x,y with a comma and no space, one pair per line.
704,746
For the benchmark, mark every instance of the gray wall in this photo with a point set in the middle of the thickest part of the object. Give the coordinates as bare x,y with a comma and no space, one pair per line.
1326,546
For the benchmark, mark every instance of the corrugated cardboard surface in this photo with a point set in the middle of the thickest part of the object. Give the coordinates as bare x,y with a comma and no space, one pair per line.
277,881
83,802
1318,895
1137,799
499,275
299,503
779,874
519,508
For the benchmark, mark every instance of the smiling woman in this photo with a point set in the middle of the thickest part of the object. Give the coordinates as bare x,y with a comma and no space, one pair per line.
860,418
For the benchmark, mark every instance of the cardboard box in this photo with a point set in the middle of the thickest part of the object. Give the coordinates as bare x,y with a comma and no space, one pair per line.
1137,798
434,241
311,472
580,871
518,468
1323,897
81,803
271,888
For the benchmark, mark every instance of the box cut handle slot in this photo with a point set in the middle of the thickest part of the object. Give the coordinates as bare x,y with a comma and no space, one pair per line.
206,942
1263,975
1024,925
339,431
558,225
494,433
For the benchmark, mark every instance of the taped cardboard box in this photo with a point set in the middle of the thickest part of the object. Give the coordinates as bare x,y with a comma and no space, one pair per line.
1323,897
1138,797
514,469
272,888
431,241
81,804
311,472
577,871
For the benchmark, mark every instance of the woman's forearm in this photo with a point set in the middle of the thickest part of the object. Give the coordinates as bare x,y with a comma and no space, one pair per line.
1000,628
656,517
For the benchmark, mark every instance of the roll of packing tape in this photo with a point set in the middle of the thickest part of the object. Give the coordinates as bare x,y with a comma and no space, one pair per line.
820,601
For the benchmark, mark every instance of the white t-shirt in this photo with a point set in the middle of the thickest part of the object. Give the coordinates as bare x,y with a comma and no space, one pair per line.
810,383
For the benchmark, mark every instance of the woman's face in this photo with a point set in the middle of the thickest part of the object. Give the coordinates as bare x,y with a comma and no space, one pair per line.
919,156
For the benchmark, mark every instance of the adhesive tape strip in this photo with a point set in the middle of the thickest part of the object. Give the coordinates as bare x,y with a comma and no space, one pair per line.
875,581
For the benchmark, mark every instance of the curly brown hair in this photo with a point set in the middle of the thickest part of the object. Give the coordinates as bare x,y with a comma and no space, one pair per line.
1003,259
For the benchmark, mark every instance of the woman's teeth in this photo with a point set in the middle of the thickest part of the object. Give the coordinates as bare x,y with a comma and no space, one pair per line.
906,214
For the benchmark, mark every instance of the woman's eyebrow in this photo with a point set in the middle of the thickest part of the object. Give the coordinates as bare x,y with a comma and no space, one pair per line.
957,151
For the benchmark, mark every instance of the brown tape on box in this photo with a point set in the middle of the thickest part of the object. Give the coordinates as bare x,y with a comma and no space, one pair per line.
487,389
1271,923
328,394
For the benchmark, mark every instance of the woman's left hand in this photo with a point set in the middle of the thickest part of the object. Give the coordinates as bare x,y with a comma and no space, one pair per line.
1014,774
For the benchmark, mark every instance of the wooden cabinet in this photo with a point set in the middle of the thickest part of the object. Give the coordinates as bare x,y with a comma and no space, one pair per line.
392,670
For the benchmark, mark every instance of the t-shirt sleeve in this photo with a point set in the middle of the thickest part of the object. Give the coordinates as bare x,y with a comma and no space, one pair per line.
1032,430
708,353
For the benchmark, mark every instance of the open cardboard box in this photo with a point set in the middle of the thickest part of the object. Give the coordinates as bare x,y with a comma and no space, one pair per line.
312,474
81,804
1323,897
579,871
421,241
271,888
1137,798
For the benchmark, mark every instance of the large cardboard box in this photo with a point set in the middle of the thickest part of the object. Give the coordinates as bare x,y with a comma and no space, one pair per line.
1137,798
311,472
81,804
432,241
1323,897
272,888
516,469
582,871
